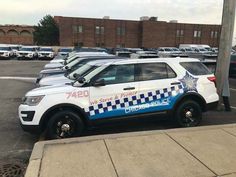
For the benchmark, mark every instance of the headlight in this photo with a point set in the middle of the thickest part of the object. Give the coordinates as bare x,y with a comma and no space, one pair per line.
32,100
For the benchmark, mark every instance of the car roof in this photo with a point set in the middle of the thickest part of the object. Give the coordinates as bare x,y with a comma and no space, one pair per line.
152,60
28,47
148,60
104,62
4,45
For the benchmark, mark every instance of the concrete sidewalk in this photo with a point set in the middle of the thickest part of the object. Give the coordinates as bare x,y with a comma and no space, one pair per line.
191,152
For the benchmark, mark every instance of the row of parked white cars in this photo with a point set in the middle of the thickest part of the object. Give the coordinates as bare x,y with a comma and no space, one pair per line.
84,88
29,52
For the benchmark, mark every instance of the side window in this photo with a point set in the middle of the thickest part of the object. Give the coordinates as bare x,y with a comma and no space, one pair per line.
155,71
118,74
195,68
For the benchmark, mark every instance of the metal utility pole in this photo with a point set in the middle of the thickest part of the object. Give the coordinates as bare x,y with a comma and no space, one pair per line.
223,61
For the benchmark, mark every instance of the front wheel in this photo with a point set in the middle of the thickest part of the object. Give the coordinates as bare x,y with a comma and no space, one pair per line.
188,114
64,124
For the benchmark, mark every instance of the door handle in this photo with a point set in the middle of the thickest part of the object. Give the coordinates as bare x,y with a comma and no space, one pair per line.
175,83
129,88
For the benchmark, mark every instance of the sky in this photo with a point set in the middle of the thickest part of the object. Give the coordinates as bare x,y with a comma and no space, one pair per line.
29,12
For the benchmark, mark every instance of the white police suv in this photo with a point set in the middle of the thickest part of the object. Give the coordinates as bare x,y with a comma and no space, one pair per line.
5,51
46,53
27,52
182,88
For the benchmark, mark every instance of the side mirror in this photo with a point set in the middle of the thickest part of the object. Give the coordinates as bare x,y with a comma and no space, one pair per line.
99,82
76,76
81,80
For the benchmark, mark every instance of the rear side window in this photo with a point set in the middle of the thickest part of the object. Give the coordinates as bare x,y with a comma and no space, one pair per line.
155,71
196,68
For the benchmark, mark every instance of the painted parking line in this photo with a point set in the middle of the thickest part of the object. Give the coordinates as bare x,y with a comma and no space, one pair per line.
30,79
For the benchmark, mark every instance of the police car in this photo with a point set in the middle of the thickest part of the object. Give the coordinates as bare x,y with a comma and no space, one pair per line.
181,88
5,51
46,53
28,52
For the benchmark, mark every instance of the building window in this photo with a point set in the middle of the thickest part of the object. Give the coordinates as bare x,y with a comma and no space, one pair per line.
120,31
99,29
179,33
214,34
102,30
77,29
197,34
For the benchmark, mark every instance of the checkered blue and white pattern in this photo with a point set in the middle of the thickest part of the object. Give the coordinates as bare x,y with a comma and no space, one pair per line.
135,100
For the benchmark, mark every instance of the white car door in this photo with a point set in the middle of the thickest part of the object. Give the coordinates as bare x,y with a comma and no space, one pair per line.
159,87
117,94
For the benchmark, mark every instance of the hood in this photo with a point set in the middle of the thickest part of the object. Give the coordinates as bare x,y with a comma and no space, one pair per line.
56,70
53,65
25,52
45,52
57,61
54,80
50,90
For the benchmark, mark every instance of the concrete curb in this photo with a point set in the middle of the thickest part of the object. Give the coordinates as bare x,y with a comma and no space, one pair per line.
34,166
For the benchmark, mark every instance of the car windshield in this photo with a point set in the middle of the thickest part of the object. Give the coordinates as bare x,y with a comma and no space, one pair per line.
27,49
189,50
82,71
15,48
5,48
46,49
71,64
175,49
168,49
65,50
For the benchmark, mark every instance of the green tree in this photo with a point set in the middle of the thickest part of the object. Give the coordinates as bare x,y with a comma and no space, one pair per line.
46,32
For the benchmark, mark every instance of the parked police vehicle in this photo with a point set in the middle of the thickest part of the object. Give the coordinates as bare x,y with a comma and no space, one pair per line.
46,53
70,67
182,88
72,57
64,51
27,52
6,52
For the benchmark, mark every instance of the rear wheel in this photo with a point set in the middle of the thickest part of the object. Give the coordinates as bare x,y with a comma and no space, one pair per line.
188,114
64,124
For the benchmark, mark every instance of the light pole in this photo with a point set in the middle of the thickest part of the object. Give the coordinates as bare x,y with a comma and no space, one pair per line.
223,61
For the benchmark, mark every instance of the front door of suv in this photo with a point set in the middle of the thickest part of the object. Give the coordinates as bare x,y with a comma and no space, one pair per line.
159,87
116,95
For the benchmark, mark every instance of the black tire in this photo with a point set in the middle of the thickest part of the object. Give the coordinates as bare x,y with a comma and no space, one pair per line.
64,124
188,114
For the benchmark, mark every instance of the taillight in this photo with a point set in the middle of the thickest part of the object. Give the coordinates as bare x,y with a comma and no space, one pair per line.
212,79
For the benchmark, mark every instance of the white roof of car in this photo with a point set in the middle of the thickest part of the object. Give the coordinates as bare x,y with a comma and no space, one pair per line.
152,60
148,60
105,62
28,46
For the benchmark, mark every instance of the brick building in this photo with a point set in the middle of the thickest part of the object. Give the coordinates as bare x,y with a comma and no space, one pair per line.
16,34
150,33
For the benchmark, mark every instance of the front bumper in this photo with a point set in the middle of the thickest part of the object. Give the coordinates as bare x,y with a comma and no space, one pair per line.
29,118
35,129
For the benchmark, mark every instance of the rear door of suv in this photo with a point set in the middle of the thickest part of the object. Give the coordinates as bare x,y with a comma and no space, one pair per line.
159,87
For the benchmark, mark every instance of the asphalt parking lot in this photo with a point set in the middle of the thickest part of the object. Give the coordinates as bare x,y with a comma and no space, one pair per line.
17,145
